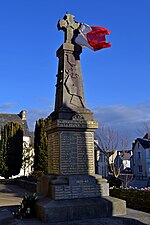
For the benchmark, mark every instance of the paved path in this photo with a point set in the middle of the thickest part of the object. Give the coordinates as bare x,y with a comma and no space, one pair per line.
11,196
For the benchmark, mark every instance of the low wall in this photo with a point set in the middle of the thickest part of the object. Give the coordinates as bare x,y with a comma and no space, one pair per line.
28,185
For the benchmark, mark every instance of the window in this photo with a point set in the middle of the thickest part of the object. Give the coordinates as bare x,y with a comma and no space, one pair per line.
148,167
138,145
140,169
139,155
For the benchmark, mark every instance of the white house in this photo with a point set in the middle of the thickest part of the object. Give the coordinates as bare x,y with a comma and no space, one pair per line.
141,157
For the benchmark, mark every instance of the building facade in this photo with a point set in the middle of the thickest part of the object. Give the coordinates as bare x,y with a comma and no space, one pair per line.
141,157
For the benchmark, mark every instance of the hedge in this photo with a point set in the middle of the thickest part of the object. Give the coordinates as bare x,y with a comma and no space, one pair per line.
135,199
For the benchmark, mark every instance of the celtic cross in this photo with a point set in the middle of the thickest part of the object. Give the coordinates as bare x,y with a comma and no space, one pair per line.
68,25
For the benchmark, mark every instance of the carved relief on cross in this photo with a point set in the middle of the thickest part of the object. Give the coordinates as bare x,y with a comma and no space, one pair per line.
68,25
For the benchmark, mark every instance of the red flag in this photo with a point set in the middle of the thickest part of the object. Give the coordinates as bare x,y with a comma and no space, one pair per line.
92,37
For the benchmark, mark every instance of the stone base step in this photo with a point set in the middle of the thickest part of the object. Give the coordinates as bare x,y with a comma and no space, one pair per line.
51,211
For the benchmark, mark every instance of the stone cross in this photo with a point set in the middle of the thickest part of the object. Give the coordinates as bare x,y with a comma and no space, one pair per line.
68,25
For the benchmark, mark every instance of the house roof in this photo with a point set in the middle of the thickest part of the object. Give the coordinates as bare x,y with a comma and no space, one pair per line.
5,118
126,156
144,142
147,136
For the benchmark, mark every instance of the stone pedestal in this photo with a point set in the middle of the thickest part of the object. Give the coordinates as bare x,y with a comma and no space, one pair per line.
72,191
51,211
71,162
72,186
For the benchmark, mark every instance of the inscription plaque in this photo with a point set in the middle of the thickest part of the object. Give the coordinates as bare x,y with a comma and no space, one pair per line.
71,124
77,152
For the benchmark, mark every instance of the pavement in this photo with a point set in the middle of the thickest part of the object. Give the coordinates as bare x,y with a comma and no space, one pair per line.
11,197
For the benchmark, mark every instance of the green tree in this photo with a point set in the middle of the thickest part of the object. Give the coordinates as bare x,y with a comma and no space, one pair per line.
11,149
40,147
3,166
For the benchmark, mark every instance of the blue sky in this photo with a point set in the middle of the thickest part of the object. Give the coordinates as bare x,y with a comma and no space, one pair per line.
116,80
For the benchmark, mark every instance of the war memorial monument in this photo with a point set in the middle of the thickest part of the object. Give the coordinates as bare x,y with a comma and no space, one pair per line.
72,190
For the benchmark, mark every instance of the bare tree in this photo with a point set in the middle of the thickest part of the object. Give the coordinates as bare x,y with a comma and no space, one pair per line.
144,129
109,142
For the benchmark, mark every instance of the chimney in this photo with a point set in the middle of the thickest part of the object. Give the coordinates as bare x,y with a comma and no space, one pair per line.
22,114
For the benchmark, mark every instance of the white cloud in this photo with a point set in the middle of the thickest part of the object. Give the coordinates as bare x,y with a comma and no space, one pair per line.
7,106
125,119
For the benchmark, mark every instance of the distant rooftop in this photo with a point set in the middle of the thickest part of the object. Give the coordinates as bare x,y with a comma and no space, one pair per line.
144,142
147,136
20,118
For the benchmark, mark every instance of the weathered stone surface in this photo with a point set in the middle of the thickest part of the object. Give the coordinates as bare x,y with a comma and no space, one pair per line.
52,125
71,146
69,87
68,25
72,186
78,209
76,150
